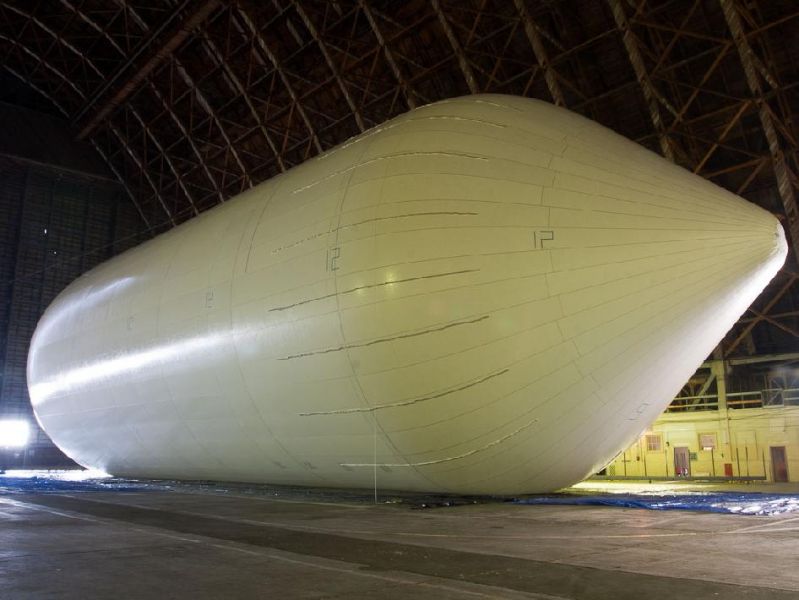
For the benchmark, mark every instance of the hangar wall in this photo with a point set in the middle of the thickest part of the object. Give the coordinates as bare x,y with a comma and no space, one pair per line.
736,428
742,442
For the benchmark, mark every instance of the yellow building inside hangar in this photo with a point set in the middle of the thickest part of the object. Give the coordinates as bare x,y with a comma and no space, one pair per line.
736,420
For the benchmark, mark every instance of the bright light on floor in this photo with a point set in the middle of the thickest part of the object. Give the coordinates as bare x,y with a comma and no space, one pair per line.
57,474
14,433
637,487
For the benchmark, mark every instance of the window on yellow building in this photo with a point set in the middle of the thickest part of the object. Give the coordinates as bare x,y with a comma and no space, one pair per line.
707,441
653,443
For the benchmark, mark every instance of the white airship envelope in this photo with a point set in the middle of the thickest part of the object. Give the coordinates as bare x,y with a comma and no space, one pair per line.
484,295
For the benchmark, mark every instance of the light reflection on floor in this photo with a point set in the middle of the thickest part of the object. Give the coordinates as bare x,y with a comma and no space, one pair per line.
680,487
58,474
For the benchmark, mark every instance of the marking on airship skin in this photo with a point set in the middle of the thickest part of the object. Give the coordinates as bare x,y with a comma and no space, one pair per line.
545,235
476,101
453,118
380,128
401,336
332,255
636,414
371,286
320,234
449,458
387,157
358,139
465,386
310,238
421,214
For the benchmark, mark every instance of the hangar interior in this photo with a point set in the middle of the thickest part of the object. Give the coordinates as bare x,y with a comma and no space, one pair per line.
121,119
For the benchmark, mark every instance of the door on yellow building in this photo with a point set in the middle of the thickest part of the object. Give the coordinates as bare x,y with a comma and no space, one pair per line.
682,462
779,466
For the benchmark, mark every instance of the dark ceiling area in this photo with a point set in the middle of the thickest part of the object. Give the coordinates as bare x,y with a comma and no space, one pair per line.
189,102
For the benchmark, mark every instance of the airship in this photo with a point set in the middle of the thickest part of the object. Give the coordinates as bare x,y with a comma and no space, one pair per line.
484,295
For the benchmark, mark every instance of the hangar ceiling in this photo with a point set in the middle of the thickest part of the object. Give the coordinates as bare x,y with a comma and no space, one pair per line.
190,102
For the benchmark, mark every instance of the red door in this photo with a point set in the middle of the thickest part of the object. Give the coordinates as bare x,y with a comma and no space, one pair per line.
779,464
682,462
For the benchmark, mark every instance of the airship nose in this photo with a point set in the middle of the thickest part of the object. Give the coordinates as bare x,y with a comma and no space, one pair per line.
646,268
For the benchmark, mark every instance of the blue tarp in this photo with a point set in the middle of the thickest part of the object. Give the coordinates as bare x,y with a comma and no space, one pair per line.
35,485
745,503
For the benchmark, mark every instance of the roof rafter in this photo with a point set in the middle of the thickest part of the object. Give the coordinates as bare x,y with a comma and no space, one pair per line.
785,179
463,62
540,53
88,20
236,87
407,92
124,143
356,113
178,36
241,17
652,96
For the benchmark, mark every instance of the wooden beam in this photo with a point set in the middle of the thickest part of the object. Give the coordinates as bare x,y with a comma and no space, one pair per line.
237,88
164,105
178,36
746,330
463,63
209,110
782,172
60,75
356,113
403,83
651,95
537,44
263,48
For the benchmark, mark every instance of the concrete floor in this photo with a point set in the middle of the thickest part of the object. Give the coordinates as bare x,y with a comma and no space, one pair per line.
191,542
